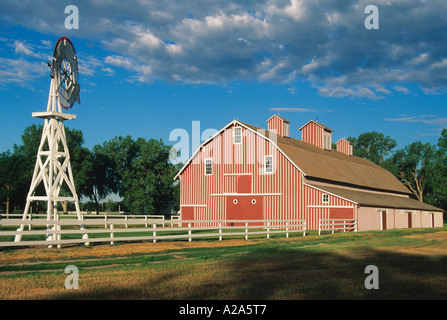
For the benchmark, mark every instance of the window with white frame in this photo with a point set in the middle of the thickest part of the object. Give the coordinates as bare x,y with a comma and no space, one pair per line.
237,135
268,164
325,198
208,166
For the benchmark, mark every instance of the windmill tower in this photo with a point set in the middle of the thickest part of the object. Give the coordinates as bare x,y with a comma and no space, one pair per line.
52,180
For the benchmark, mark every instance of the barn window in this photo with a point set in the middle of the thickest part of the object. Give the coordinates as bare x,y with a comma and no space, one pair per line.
268,164
327,143
237,135
208,167
325,198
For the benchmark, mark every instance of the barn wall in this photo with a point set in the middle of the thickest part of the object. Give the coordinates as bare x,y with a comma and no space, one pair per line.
317,210
401,219
370,219
438,219
281,189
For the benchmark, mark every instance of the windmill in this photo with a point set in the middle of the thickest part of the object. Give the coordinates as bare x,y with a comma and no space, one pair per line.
52,180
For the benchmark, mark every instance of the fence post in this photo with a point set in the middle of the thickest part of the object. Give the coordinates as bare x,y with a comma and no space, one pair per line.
319,227
344,225
145,219
111,234
333,226
268,230
246,230
105,220
125,218
189,231
58,231
29,225
220,231
155,232
287,229
305,228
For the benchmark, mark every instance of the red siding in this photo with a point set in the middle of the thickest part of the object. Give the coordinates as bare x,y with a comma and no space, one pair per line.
313,133
343,146
284,195
276,124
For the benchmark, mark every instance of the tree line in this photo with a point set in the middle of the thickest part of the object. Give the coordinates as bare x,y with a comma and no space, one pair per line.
138,171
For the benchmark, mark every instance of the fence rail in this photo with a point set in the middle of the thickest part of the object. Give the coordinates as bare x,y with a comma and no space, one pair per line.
337,225
109,229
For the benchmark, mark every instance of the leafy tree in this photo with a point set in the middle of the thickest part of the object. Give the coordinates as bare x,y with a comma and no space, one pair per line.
440,182
144,173
103,179
9,169
373,146
415,166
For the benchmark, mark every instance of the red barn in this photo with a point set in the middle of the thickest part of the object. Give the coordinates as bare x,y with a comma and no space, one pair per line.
245,172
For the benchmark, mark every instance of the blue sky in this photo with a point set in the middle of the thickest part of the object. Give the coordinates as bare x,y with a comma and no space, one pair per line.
150,67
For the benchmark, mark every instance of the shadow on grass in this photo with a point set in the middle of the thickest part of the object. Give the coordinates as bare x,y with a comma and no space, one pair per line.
272,273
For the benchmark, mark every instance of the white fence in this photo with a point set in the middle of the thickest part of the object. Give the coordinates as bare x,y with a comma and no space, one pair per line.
337,225
136,228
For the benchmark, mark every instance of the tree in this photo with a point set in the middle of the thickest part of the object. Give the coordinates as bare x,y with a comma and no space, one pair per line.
144,173
373,146
9,164
103,178
415,166
440,183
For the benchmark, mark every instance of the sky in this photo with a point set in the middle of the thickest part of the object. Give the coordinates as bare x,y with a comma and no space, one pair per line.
148,68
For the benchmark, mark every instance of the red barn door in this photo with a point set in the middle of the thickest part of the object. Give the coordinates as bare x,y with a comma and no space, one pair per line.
244,208
187,214
244,184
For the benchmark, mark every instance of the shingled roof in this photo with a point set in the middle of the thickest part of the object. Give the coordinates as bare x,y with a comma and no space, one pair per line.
334,166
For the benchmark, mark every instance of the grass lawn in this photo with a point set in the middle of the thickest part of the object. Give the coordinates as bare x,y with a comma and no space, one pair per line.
412,264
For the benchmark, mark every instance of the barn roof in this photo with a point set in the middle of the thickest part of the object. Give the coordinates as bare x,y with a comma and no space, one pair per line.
379,200
335,166
318,124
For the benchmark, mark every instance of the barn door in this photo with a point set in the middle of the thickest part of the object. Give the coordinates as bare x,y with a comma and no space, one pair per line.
235,210
244,184
384,225
187,214
254,209
244,208
410,219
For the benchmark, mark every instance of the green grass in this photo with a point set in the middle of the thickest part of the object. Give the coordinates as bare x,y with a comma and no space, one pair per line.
412,265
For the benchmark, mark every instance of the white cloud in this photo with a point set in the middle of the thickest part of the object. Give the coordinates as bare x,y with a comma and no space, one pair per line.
281,41
402,89
427,119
